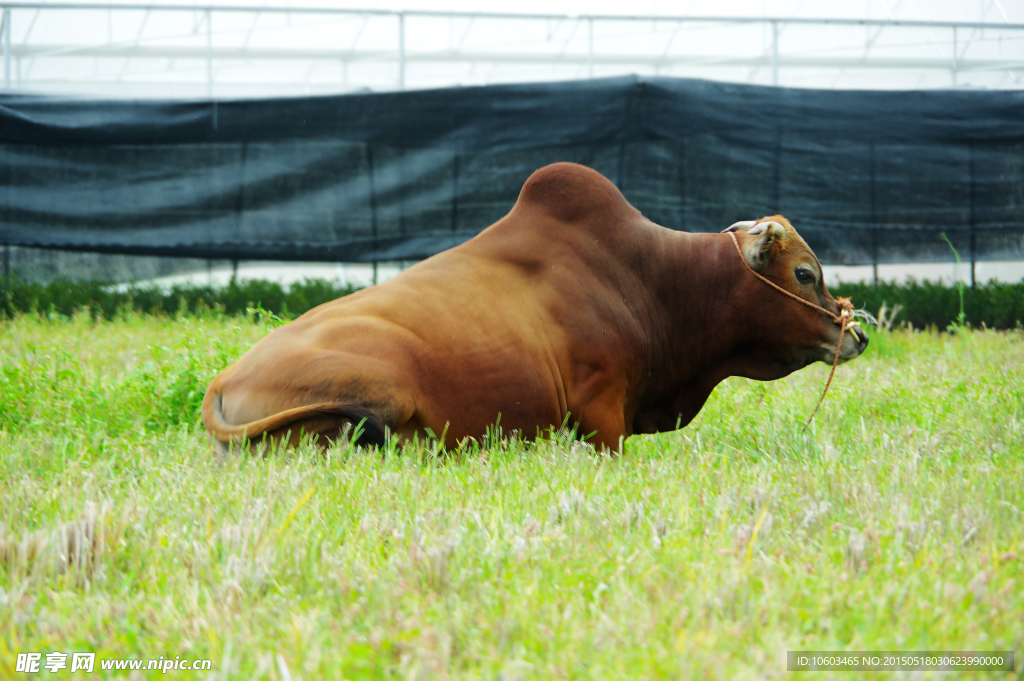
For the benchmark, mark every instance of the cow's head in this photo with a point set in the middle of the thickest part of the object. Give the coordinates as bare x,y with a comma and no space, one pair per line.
788,335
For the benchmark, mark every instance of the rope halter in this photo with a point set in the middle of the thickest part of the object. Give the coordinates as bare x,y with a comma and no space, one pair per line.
844,319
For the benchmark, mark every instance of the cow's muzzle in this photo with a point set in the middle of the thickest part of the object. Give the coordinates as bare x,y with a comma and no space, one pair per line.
861,337
857,344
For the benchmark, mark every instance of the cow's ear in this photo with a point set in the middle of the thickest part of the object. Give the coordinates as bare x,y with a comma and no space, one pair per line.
757,247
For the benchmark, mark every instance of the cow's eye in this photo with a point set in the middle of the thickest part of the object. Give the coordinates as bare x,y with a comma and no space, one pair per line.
805,276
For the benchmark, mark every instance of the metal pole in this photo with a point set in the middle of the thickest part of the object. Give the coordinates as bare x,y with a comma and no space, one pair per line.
590,54
6,303
954,56
373,204
455,193
974,259
209,55
540,16
401,58
775,53
874,217
5,29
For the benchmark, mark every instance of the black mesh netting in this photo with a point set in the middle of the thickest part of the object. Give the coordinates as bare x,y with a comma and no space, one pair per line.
865,176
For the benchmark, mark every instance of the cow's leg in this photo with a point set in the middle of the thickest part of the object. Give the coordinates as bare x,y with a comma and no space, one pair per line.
605,418
321,398
679,411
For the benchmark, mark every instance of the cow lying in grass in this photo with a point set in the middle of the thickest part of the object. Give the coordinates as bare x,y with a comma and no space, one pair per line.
572,308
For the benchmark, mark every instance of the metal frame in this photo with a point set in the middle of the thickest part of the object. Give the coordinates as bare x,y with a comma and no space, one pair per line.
771,58
5,38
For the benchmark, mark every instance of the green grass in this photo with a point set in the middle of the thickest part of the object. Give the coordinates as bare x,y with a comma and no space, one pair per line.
895,523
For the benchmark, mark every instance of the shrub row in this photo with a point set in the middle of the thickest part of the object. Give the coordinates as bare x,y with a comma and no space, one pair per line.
104,300
995,305
924,304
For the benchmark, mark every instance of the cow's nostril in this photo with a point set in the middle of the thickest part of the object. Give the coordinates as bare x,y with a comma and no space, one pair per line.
862,339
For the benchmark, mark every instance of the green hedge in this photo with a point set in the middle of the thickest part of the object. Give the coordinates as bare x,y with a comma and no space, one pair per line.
105,300
996,305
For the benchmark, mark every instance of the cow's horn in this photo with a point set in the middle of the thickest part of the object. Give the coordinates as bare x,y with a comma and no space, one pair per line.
776,228
745,224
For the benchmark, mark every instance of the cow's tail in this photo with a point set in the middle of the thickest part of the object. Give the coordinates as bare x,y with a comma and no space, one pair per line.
322,421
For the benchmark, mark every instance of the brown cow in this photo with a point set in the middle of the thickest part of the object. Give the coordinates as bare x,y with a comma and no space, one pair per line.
571,307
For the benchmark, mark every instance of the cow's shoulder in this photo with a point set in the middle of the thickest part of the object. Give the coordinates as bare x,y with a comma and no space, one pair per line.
571,193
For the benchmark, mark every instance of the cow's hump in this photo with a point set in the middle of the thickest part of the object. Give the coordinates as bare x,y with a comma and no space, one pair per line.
571,192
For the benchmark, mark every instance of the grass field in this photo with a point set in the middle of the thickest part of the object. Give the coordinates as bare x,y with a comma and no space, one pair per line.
895,523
